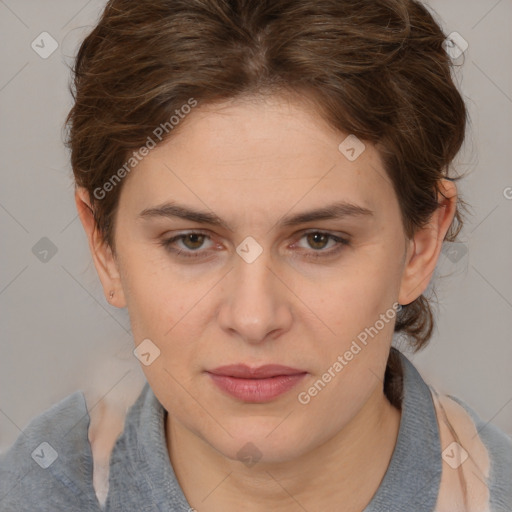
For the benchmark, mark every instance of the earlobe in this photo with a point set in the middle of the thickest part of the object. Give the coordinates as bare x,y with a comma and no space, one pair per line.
425,247
104,261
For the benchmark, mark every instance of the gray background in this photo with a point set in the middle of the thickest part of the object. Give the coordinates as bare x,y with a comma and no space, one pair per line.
58,334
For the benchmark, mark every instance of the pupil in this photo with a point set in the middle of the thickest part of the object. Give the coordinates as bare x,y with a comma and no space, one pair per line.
194,238
318,237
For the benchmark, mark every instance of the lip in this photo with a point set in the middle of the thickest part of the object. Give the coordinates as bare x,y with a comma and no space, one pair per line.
256,385
242,371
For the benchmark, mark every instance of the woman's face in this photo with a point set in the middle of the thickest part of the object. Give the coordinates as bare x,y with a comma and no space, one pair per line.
254,285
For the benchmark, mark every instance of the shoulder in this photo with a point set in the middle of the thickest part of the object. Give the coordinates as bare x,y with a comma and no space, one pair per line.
477,460
499,449
49,466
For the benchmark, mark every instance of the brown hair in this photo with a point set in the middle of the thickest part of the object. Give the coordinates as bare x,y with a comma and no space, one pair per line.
373,68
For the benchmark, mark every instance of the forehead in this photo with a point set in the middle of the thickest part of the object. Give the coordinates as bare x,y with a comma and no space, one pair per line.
261,153
250,132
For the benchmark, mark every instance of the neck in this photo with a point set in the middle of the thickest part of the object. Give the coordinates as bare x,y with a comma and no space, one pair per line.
355,458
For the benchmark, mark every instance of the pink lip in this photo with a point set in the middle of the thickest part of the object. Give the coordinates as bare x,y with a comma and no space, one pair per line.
256,385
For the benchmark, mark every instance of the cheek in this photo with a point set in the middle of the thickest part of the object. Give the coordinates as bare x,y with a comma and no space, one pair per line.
165,310
356,304
156,298
169,309
350,364
355,294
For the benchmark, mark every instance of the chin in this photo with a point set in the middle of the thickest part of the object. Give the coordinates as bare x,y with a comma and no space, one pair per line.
259,443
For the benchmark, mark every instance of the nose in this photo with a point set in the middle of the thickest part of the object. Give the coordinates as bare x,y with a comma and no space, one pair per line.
256,306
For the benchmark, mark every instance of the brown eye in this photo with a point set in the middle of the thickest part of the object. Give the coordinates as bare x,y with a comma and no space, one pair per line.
319,244
318,240
193,240
188,245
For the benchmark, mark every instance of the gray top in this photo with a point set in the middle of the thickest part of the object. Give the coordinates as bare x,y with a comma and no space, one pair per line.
49,468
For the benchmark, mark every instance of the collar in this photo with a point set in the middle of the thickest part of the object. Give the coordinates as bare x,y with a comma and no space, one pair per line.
413,476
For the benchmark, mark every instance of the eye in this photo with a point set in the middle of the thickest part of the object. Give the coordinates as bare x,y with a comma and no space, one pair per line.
319,240
191,242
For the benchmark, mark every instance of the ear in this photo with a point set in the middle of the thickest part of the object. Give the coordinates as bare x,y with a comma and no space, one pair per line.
424,248
104,261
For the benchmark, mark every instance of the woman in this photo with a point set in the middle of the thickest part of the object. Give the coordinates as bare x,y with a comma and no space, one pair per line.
266,187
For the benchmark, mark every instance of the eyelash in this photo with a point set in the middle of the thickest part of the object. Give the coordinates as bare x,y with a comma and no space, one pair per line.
341,243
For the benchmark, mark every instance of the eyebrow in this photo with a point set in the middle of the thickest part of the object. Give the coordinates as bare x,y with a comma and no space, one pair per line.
336,210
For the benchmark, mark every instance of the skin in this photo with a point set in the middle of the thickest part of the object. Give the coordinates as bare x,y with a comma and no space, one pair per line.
251,162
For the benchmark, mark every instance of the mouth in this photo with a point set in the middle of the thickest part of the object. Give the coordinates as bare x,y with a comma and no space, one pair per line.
256,385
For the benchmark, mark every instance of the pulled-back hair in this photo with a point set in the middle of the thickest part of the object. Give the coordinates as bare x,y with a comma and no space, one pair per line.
373,68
